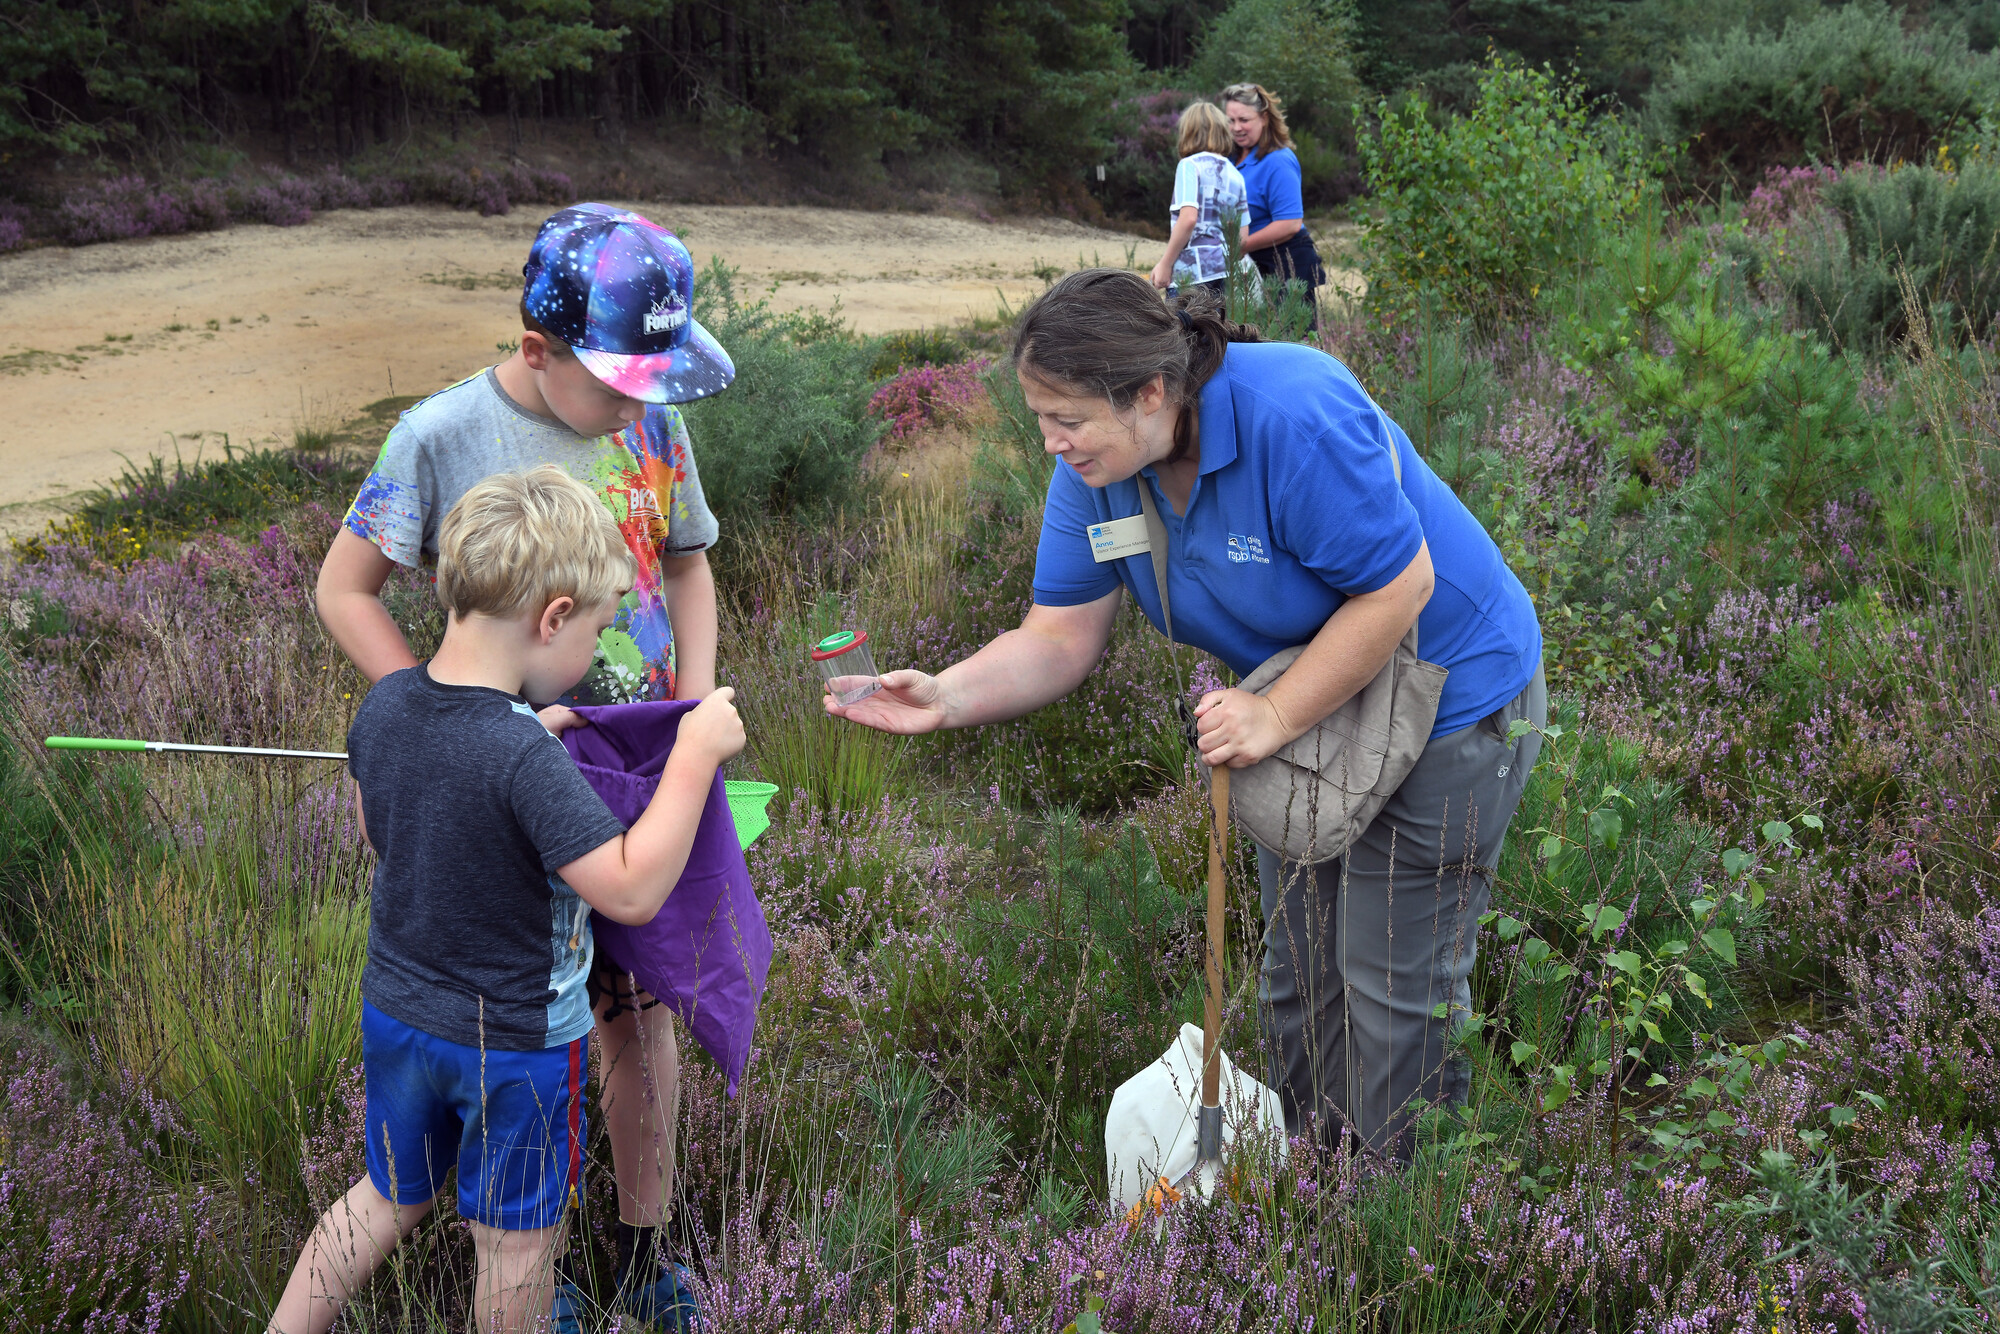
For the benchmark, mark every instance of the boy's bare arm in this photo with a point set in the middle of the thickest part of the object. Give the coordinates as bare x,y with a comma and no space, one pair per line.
349,596
1177,239
688,588
628,878
361,817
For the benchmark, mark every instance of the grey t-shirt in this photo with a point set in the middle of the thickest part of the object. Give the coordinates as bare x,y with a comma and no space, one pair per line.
644,474
472,805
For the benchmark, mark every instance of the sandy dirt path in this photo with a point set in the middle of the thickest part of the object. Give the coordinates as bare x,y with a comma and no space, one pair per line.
244,335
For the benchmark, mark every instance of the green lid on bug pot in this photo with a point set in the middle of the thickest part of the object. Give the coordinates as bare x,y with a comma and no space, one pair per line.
838,643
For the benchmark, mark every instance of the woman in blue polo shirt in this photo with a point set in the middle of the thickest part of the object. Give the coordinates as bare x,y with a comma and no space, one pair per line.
1286,525
1279,243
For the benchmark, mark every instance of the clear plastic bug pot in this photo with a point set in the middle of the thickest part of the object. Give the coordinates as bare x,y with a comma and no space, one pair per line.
846,654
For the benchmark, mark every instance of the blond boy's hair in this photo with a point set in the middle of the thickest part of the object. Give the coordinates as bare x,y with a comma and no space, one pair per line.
1204,129
519,540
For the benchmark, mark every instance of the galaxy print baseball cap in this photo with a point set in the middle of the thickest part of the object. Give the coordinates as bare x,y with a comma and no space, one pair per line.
619,290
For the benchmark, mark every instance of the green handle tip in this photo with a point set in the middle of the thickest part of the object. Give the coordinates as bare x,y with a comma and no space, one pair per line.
91,743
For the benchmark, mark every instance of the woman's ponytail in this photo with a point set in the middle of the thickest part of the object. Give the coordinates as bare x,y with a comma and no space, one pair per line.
1105,333
1208,332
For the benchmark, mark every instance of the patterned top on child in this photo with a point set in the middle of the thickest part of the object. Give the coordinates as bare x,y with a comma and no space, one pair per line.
1211,183
644,474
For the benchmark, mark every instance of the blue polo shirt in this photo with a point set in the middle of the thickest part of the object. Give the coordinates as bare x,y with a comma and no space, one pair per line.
1274,182
1297,509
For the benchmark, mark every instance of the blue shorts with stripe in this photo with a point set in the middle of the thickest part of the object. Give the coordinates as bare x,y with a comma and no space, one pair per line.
511,1122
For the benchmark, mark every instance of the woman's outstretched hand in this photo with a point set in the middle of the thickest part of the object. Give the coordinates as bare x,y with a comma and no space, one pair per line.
1237,728
907,704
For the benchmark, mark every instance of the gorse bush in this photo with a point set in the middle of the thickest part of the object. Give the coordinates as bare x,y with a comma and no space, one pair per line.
791,432
1479,212
1935,228
1855,81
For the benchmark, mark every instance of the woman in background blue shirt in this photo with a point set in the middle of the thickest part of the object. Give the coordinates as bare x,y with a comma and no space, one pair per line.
1273,473
1279,242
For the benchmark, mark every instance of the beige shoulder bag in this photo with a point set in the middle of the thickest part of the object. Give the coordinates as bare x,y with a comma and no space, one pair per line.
1314,796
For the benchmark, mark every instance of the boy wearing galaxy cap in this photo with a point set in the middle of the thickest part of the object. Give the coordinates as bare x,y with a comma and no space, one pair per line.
609,346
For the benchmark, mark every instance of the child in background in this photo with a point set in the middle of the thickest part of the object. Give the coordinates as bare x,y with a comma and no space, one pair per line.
1209,198
609,346
493,852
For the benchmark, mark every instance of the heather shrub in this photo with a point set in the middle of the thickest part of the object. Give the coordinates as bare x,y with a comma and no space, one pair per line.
929,396
118,209
1139,171
490,192
285,202
13,233
1847,82
1922,1031
1480,211
92,1236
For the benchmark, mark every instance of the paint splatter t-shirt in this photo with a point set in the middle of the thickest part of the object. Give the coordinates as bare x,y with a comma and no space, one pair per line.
644,474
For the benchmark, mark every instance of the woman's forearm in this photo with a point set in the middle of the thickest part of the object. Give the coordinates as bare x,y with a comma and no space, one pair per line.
1023,670
1350,648
1275,233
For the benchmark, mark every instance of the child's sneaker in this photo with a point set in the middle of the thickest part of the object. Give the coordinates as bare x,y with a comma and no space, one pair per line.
668,1303
567,1314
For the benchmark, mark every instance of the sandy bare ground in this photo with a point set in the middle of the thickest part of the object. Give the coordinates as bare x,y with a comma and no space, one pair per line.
182,343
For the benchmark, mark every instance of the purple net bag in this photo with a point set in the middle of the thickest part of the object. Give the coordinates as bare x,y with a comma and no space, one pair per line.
708,951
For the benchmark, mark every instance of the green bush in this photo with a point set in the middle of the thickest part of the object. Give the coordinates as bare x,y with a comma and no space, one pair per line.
921,1171
1296,48
916,347
1750,426
1089,963
790,433
1444,401
1479,212
1845,83
1940,227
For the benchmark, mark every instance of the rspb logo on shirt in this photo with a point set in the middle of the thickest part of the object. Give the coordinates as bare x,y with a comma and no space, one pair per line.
1243,550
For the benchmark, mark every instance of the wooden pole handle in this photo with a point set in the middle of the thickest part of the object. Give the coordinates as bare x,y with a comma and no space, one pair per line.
1218,861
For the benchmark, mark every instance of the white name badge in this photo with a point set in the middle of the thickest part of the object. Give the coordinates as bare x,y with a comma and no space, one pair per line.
1118,539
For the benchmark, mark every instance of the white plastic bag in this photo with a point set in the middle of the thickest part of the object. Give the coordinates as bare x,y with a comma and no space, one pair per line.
1150,1131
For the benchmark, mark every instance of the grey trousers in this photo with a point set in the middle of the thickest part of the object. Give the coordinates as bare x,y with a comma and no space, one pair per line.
1360,951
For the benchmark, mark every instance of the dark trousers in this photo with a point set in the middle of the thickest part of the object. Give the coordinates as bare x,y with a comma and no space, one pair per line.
1359,951
1296,257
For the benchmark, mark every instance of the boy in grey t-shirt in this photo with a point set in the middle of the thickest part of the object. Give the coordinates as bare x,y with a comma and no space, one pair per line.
609,347
493,851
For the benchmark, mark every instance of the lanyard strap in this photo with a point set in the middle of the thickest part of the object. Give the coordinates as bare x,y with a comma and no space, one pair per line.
1156,539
